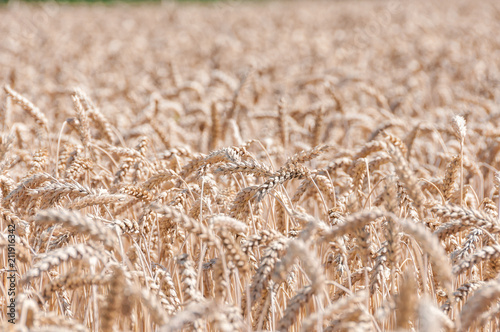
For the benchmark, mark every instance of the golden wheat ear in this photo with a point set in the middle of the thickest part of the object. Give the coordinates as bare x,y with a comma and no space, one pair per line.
244,166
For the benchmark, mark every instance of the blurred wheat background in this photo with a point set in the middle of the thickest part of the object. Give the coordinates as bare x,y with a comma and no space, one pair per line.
251,166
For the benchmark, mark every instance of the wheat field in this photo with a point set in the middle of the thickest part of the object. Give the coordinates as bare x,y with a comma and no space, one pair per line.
262,166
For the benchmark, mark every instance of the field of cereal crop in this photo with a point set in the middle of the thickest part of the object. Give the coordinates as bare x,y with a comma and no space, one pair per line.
250,166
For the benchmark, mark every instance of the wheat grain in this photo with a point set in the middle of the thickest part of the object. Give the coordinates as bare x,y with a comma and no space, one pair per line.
218,168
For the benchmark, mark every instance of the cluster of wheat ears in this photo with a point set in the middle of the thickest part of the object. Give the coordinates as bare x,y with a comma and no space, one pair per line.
327,166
